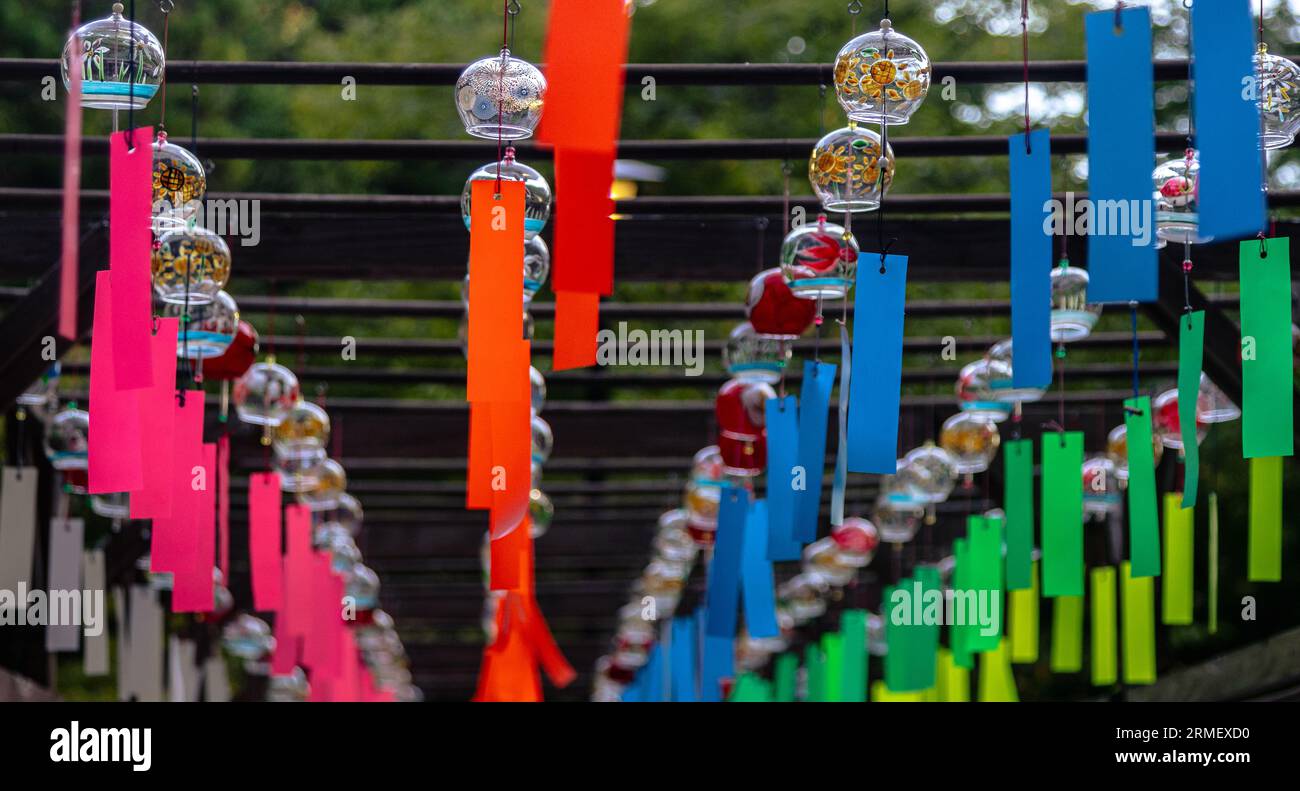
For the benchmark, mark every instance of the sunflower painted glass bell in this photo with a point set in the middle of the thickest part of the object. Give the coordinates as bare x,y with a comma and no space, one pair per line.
500,97
848,172
537,192
304,431
972,442
211,329
881,76
190,265
265,393
121,63
819,260
331,481
1073,317
179,185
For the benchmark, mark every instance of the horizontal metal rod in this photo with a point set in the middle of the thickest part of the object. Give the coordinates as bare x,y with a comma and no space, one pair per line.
430,74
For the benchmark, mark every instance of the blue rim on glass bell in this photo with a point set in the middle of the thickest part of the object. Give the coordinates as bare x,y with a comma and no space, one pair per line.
210,330
121,62
537,191
1072,317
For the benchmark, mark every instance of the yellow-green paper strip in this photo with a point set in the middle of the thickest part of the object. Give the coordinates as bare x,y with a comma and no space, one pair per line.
1177,583
1143,521
1265,542
1213,501
882,694
1267,362
1105,660
1024,621
997,684
1067,634
1138,600
952,681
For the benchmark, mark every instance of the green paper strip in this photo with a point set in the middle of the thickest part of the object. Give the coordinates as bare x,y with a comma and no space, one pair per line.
925,646
815,666
958,635
1143,524
1265,543
952,682
984,612
833,674
1067,634
1177,584
1105,641
997,684
912,643
1062,514
1024,621
785,674
1267,389
1213,624
750,688
1018,502
853,637
1191,340
1138,600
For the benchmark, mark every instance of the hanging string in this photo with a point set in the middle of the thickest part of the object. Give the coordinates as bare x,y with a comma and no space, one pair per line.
130,104
1024,38
166,6
1261,48
1133,320
1187,281
501,86
856,8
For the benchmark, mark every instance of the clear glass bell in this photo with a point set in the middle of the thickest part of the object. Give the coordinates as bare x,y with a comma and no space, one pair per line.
66,439
348,514
361,583
291,687
753,357
541,512
331,482
673,541
929,472
773,309
179,185
43,391
1000,374
537,265
121,64
857,540
265,393
343,552
806,596
819,260
542,440
702,503
707,467
1165,421
297,473
303,432
972,442
845,170
537,192
881,75
1212,405
1277,94
1073,317
211,329
1117,450
116,505
537,389
500,97
897,519
976,394
190,265
821,559
1100,487
247,637
1177,183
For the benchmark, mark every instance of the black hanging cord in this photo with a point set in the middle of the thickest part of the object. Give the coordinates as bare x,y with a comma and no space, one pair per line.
1024,38
130,104
166,6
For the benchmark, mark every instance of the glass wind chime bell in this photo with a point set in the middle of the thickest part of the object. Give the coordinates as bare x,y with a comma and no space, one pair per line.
537,191
819,260
265,393
190,265
500,97
1117,450
121,63
1177,191
210,331
1277,93
1213,406
179,184
848,171
976,393
881,76
1073,317
971,442
753,357
773,309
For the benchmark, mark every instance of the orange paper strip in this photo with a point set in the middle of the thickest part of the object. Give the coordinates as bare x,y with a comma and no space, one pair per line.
496,285
479,464
586,45
577,320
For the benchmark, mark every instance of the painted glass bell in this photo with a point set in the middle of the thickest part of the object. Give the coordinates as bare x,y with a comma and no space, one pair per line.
754,357
848,172
66,439
881,76
972,442
1177,183
1073,317
819,260
500,97
211,329
304,431
179,184
190,265
773,309
1277,93
121,63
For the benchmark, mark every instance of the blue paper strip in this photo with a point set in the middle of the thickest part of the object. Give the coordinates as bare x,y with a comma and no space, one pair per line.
756,585
877,364
654,676
1230,200
782,475
684,659
842,449
1031,260
814,405
723,594
717,662
1121,155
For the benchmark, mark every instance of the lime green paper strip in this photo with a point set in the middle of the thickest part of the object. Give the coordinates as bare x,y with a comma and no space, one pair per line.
1265,543
1191,342
1213,624
1143,527
1063,514
1018,502
833,673
1139,604
881,693
1024,621
815,683
1267,389
952,682
1105,641
1177,584
997,684
785,674
853,638
1067,634
983,598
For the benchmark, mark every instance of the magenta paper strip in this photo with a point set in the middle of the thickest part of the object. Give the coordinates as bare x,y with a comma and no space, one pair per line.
156,409
71,200
324,648
167,548
286,647
129,240
265,561
192,589
223,506
298,570
113,447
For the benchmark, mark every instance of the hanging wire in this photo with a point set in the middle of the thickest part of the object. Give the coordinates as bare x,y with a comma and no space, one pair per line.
130,104
1024,38
1133,321
166,6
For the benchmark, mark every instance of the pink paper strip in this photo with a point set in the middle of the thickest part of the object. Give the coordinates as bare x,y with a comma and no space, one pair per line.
113,450
286,647
299,589
130,238
167,549
71,200
264,552
223,508
156,410
192,590
324,647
